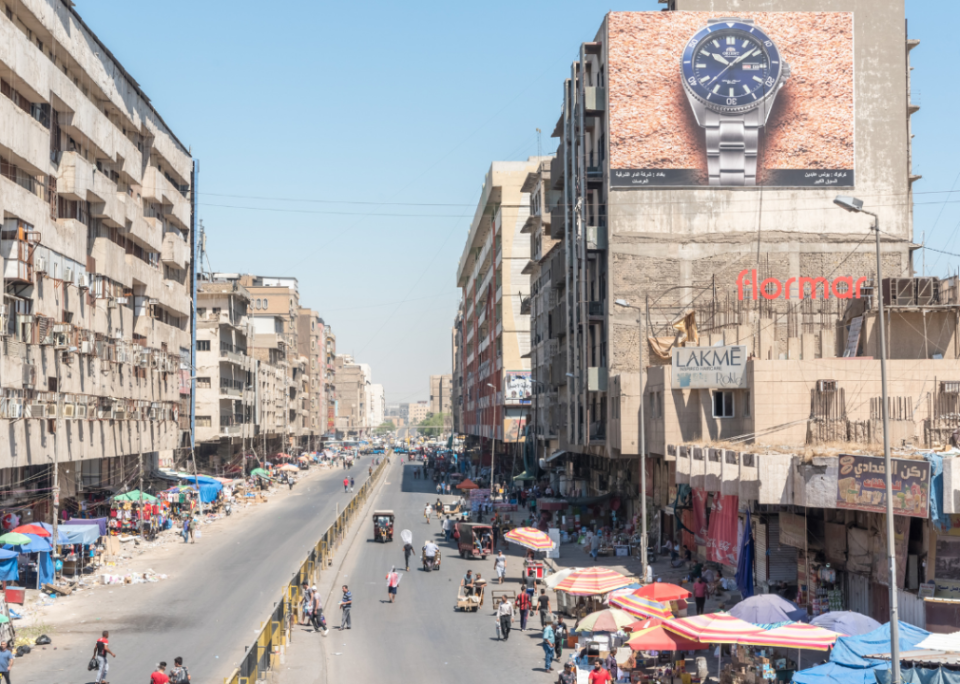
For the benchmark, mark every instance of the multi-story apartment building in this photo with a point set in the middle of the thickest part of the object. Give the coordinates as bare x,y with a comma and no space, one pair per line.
95,200
330,384
351,380
495,335
441,393
417,412
226,418
311,338
376,408
456,405
696,227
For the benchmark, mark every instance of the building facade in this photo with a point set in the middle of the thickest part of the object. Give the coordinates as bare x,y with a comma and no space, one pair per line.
95,199
441,393
376,407
351,381
416,412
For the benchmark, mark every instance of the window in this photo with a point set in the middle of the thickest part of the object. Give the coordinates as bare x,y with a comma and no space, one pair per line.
653,404
203,383
216,311
746,403
722,404
201,312
203,345
204,421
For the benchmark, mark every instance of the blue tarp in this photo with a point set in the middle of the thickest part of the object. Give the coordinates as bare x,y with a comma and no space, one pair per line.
920,675
8,570
75,534
102,522
847,662
46,569
209,488
36,544
744,574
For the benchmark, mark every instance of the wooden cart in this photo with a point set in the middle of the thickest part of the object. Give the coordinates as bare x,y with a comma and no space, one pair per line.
471,603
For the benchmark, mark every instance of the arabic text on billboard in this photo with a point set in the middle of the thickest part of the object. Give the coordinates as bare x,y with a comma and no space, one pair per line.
709,367
517,387
861,485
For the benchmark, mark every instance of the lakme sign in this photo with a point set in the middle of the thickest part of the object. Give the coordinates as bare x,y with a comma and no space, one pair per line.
709,367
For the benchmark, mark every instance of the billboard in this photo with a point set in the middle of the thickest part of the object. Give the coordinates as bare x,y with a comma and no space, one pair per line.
517,387
861,485
706,99
709,367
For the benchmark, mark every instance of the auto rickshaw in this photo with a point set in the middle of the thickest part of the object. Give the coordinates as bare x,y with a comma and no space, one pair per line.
474,539
383,526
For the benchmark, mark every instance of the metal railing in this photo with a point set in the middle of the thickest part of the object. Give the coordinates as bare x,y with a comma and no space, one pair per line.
277,631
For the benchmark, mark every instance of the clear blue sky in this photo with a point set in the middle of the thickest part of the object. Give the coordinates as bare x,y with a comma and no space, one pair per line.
341,107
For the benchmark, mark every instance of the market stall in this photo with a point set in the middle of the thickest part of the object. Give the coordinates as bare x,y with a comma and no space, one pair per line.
133,513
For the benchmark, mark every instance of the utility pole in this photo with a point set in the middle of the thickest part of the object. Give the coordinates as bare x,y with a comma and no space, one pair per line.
56,457
855,205
493,448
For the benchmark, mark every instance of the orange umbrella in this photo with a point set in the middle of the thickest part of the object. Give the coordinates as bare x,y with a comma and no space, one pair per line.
31,529
468,484
796,635
642,607
715,628
662,592
644,624
531,538
593,582
659,639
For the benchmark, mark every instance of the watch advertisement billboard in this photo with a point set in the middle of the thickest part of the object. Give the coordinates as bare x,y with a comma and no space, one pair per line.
706,99
861,485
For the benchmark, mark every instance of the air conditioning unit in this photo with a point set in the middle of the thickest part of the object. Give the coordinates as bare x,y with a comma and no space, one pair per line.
153,414
60,340
15,409
40,265
81,412
86,347
111,303
121,300
68,410
68,275
36,410
118,415
82,282
153,301
928,291
51,411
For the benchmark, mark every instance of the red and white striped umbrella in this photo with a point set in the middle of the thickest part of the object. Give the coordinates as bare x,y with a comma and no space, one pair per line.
593,582
531,538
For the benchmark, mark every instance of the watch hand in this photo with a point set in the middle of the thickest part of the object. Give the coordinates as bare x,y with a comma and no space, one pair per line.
729,64
720,59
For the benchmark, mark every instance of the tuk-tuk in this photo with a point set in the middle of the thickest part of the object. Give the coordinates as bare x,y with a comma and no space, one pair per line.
383,526
474,539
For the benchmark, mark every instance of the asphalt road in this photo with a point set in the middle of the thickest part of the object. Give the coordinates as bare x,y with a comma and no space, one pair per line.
421,637
219,592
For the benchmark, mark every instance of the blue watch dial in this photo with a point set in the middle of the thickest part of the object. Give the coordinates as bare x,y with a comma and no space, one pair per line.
731,66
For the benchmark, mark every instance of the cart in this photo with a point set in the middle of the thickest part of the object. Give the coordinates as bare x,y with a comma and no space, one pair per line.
474,540
423,559
498,596
383,525
471,603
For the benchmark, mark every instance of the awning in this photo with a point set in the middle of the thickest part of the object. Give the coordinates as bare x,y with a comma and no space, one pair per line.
555,454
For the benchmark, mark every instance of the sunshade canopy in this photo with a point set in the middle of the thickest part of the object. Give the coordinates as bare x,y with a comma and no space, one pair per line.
76,534
468,484
14,539
796,635
660,639
531,538
764,609
609,620
135,495
556,578
289,468
714,628
31,529
260,472
846,622
662,591
642,607
593,582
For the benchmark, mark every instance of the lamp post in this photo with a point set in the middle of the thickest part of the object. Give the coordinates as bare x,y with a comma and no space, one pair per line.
643,437
493,449
854,205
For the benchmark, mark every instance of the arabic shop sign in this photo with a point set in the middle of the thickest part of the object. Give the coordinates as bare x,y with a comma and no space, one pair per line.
709,367
861,485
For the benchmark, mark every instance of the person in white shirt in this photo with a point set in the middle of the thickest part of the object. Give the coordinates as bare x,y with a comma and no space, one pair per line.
426,512
500,565
505,616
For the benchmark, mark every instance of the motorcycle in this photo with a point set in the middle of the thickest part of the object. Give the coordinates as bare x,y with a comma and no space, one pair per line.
227,508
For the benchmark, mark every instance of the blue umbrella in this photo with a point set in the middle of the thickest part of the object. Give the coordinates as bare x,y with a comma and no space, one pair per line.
744,576
767,608
37,544
846,622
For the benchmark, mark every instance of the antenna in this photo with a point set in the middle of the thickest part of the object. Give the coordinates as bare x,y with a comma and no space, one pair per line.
539,153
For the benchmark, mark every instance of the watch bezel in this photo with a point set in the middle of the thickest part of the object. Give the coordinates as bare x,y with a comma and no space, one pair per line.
744,103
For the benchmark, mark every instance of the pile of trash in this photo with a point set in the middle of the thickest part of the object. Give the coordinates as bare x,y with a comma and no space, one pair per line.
132,578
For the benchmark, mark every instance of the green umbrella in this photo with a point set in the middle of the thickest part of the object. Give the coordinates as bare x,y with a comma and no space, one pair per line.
260,471
135,496
14,539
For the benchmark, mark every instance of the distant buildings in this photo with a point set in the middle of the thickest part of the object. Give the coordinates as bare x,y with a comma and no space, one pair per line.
441,393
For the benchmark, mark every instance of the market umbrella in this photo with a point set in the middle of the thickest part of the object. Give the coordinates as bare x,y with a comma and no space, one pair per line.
714,628
135,495
531,538
659,639
662,591
468,484
644,624
593,582
642,607
260,471
32,529
551,581
796,635
609,620
744,574
846,622
767,608
14,539
289,468
34,544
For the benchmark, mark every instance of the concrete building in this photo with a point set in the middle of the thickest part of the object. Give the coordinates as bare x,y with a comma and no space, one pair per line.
330,385
95,201
312,336
441,393
376,409
494,342
351,381
417,412
719,254
456,361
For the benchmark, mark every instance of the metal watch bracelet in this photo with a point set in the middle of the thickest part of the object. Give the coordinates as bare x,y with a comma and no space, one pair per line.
732,141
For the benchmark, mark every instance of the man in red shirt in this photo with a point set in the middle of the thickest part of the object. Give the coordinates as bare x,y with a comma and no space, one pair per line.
598,675
346,484
524,604
158,676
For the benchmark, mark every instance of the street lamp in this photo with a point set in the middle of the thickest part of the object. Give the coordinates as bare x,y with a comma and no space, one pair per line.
854,205
643,437
493,449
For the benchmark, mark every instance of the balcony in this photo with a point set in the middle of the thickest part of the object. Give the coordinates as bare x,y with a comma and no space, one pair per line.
109,207
234,355
594,99
557,166
156,188
175,250
75,180
596,379
558,321
557,218
231,388
595,310
31,138
558,268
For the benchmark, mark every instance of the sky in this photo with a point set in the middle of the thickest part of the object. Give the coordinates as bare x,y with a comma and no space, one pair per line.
345,144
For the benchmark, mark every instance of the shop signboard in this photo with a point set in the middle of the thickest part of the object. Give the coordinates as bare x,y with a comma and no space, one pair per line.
709,367
861,485
517,387
733,101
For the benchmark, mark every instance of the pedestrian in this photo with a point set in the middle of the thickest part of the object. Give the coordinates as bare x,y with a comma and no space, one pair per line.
346,484
316,605
194,524
290,480
186,530
407,552
346,603
700,594
100,651
547,644
598,675
158,676
439,488
505,616
543,605
393,581
179,674
568,676
611,664
500,565
560,636
352,483
6,661
426,513
306,604
524,604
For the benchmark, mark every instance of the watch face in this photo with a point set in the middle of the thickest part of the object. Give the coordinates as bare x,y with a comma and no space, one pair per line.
731,66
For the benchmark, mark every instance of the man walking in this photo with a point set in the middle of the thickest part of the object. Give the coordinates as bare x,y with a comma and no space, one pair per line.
560,637
179,674
158,676
505,616
346,602
186,530
316,603
407,552
700,594
393,581
548,646
500,565
194,523
543,605
524,604
6,661
100,651
346,484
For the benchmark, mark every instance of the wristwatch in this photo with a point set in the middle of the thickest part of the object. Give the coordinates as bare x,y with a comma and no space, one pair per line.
732,73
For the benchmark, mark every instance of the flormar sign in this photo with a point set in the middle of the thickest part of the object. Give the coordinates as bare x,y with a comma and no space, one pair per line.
843,287
709,367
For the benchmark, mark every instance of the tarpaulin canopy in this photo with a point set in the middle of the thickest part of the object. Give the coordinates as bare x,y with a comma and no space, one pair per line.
8,569
102,522
659,639
846,622
35,545
260,472
766,608
714,628
593,582
796,635
641,606
920,675
76,533
209,487
941,642
45,569
135,496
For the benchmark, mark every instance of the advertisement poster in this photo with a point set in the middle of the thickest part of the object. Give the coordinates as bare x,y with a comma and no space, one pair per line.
706,99
517,387
709,367
478,497
861,485
722,537
699,504
946,571
513,428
